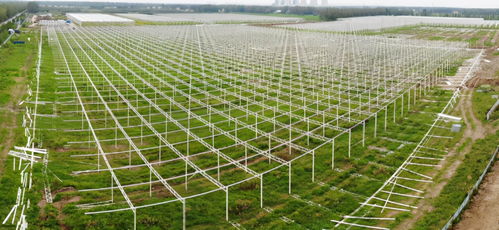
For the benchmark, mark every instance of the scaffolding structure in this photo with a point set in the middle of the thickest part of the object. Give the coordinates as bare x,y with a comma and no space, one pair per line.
241,98
424,155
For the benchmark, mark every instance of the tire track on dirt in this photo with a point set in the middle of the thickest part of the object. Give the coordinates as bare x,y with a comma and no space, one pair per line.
474,130
483,212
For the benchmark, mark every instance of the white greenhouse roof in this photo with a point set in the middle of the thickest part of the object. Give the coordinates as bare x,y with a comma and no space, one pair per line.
87,17
209,17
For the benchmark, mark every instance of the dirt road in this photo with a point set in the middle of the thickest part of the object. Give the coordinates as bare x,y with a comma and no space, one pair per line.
483,212
449,169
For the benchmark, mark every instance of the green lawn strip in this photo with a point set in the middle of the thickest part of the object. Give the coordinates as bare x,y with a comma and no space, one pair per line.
15,62
459,185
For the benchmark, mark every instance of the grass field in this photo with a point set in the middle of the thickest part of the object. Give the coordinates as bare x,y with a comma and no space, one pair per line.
349,184
476,37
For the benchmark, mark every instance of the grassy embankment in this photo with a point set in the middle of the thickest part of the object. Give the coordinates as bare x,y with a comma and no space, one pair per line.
17,63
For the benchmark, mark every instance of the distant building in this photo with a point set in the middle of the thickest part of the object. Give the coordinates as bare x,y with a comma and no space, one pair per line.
313,3
289,2
324,2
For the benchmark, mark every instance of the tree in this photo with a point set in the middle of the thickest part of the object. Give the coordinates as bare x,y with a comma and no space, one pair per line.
33,7
3,14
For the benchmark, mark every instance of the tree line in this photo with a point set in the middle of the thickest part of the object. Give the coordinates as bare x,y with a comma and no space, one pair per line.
325,13
488,14
9,9
331,14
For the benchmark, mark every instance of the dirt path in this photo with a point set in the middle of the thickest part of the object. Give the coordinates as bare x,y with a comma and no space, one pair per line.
9,122
59,205
474,130
11,109
483,212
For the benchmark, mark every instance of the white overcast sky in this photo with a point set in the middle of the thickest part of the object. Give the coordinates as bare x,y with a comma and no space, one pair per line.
436,3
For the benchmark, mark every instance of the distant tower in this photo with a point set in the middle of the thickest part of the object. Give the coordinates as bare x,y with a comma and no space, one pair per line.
313,3
303,2
324,2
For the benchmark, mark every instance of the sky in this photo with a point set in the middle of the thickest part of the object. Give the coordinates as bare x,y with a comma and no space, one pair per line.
435,3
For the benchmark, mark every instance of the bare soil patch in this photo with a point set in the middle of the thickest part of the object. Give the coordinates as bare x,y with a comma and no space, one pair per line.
59,205
12,108
10,119
480,131
483,212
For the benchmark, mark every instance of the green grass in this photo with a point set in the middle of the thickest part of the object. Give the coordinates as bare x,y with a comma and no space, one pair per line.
149,23
244,202
459,185
428,32
3,31
436,38
12,59
373,166
305,17
208,212
482,102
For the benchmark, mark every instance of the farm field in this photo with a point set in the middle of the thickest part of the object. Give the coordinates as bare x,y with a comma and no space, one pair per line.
235,126
385,22
210,18
476,37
